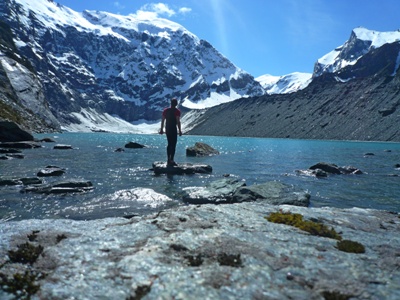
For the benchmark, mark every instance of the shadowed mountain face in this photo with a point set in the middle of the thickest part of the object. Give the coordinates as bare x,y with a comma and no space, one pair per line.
359,102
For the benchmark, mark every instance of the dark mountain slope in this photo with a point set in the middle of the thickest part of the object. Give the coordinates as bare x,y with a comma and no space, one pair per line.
21,100
333,106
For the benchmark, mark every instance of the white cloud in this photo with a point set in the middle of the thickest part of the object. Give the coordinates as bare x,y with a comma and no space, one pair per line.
160,9
118,5
184,10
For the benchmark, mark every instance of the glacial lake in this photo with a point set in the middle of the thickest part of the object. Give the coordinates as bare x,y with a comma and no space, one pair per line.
255,160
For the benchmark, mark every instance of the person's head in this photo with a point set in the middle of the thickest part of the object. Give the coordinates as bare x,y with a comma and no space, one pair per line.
174,102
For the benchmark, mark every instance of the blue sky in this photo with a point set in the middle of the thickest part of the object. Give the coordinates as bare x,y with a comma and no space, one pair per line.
274,37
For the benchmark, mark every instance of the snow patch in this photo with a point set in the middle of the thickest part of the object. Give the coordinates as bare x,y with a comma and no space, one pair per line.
397,65
91,120
284,84
213,100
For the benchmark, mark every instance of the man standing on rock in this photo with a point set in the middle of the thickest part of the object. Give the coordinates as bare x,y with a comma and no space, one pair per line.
171,117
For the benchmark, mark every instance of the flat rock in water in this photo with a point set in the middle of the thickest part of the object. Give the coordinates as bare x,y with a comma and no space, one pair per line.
216,252
62,147
10,151
17,156
7,182
51,171
20,145
180,169
47,140
63,187
323,169
20,181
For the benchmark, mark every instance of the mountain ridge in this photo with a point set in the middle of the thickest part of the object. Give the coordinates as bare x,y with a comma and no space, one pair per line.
112,69
367,107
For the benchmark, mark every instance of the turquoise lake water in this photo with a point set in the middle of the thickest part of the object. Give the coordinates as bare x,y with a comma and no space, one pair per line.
255,160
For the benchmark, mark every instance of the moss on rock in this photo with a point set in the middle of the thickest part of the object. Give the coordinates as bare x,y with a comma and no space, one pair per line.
26,253
296,220
350,246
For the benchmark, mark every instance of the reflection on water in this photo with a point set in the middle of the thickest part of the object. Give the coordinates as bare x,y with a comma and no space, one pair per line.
254,159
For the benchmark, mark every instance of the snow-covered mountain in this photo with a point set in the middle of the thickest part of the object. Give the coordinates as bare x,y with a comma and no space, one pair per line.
95,64
361,42
358,101
284,84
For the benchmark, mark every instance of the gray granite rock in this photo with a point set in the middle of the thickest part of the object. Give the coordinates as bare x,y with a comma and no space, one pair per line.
12,132
273,192
231,190
180,168
209,252
201,149
217,192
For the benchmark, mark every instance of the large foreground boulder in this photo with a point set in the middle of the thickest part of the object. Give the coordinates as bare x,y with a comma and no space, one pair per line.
203,252
11,132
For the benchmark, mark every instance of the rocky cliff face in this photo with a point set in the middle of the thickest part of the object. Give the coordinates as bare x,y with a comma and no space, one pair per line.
119,65
358,102
21,97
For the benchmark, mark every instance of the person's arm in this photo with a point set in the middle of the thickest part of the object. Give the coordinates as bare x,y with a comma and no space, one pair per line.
178,123
162,124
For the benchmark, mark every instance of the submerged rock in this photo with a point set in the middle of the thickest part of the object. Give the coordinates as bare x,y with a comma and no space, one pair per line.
201,149
10,151
5,182
17,156
323,169
180,168
134,145
20,181
62,187
47,140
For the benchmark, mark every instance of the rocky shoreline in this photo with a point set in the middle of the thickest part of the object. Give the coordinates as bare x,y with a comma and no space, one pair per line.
209,251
